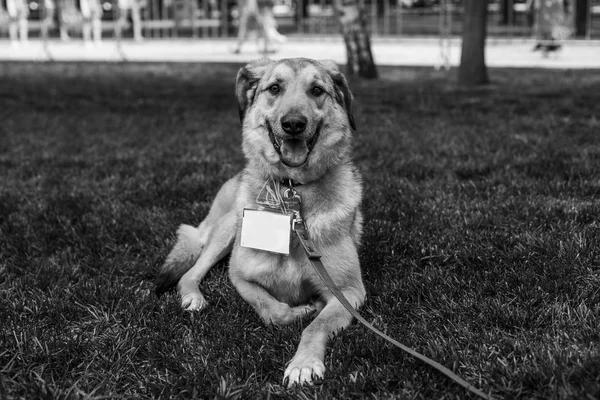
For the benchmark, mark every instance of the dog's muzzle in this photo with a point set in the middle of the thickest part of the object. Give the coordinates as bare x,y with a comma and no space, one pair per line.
295,147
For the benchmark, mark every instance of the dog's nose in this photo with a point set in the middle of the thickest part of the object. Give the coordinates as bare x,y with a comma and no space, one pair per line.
294,124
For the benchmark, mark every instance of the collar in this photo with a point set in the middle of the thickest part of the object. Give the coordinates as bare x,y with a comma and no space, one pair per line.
287,182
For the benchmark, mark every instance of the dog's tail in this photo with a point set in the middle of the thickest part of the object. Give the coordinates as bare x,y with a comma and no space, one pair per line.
181,259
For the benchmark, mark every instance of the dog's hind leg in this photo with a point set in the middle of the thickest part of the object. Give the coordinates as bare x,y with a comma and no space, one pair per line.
187,250
218,245
198,249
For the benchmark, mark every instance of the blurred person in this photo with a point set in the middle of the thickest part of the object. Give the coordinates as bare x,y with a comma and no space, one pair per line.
49,8
86,14
257,14
250,18
69,17
135,7
18,27
271,26
551,23
67,13
91,13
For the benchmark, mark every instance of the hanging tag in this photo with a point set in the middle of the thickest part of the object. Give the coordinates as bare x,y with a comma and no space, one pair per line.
266,230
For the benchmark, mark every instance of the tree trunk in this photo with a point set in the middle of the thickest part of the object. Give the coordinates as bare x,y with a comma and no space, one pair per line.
472,70
582,8
353,24
508,12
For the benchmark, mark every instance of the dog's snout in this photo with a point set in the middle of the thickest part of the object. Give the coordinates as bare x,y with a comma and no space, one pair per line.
294,124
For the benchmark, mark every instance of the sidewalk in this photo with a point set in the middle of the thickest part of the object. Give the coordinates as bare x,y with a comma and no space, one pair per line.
393,52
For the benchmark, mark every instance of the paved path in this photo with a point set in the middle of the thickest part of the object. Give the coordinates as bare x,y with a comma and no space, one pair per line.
402,51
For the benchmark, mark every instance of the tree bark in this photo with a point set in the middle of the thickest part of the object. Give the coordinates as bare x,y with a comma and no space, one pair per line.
353,24
508,13
473,70
582,8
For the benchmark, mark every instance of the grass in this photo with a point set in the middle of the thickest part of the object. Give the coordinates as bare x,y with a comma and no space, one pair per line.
481,246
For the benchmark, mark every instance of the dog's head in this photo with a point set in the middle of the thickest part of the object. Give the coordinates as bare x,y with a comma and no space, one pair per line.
296,116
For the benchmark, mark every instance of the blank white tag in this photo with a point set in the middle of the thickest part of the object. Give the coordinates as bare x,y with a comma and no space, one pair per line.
266,230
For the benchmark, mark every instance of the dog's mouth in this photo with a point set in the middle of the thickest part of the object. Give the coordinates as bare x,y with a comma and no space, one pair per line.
293,151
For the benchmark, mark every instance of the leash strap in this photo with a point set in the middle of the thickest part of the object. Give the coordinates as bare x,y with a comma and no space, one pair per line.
315,259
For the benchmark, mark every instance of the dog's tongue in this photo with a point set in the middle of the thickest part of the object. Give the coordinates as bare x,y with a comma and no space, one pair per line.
294,152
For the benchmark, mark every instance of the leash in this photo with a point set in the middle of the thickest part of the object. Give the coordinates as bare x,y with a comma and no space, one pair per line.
315,259
290,203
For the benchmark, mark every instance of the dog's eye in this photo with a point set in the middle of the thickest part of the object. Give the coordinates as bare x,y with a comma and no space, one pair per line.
274,88
317,91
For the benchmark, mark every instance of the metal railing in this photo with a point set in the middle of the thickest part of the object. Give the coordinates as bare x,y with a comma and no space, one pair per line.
219,18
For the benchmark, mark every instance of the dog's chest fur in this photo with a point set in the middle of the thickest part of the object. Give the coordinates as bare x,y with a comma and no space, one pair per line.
291,279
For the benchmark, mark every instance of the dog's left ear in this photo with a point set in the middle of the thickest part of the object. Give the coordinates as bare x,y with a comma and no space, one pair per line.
247,82
342,91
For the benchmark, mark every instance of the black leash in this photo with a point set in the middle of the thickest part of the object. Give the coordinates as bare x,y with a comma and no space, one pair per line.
315,259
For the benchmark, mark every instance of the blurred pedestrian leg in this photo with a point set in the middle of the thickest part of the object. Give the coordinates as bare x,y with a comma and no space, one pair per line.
256,15
271,25
551,23
18,27
48,11
91,12
133,6
68,17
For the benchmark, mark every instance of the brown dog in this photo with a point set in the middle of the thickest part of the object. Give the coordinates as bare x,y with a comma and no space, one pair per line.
297,134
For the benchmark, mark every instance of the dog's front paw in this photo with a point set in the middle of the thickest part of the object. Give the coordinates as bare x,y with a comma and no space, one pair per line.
193,302
282,314
304,370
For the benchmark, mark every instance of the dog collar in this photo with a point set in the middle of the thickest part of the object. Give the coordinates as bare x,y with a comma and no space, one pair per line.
290,183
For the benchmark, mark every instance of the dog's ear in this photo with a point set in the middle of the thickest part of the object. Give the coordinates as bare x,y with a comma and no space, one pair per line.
247,82
343,95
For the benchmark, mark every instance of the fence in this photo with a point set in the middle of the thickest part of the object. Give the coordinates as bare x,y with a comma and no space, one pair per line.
218,18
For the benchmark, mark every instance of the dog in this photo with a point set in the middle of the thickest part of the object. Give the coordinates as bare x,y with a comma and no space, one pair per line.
297,125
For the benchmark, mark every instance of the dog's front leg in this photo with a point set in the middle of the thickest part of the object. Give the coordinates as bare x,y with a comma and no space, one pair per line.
270,310
307,364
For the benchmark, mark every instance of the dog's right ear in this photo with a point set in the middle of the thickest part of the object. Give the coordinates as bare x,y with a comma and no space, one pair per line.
247,82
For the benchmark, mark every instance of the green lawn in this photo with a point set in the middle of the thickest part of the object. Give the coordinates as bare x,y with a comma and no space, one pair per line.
481,246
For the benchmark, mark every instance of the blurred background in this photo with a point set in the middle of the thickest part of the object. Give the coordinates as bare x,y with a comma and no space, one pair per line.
295,18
